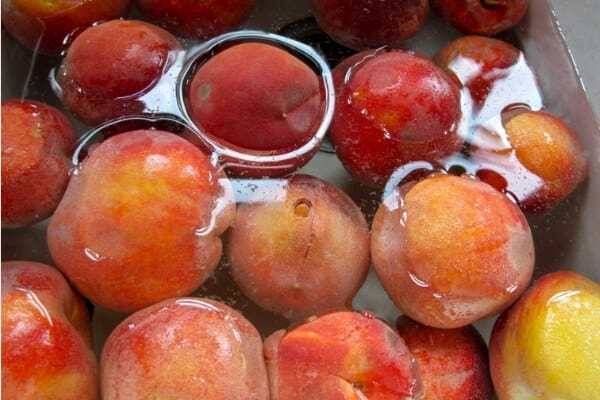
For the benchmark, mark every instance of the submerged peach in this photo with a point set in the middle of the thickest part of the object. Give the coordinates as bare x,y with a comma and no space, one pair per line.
341,355
393,107
184,348
273,103
453,363
302,250
546,345
47,349
451,250
110,66
37,141
140,220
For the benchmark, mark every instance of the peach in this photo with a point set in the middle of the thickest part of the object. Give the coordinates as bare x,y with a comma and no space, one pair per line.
141,220
451,250
302,251
545,158
37,140
49,26
453,362
184,348
47,350
478,63
274,104
197,19
110,66
368,24
482,17
341,355
393,107
546,345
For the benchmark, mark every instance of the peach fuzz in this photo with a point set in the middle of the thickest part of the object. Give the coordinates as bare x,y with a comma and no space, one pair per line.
110,66
197,19
546,345
450,250
184,348
304,251
273,104
47,350
341,355
453,363
37,141
48,27
368,24
393,107
548,148
141,220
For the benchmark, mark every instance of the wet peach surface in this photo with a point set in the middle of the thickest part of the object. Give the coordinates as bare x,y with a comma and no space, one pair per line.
110,66
229,103
46,336
393,107
545,345
341,355
290,252
367,24
453,363
184,348
37,140
197,19
47,26
446,192
119,214
451,250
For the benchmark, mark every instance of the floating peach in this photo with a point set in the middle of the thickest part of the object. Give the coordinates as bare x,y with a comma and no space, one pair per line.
369,24
140,220
482,17
393,107
547,159
37,140
453,363
546,345
47,350
478,63
341,355
301,250
184,348
49,26
110,66
197,19
450,250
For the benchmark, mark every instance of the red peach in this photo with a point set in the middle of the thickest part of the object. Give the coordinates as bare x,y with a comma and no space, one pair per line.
478,62
482,17
273,104
451,250
110,66
140,220
184,348
47,350
368,24
197,19
302,251
37,140
393,107
49,26
341,355
453,362
546,345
